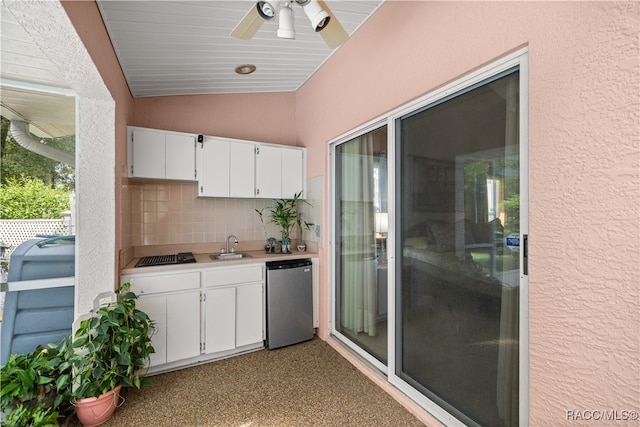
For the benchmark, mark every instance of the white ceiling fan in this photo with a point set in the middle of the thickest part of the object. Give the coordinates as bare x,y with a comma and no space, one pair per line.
323,21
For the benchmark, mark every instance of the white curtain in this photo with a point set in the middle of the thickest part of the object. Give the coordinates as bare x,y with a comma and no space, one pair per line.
508,350
358,288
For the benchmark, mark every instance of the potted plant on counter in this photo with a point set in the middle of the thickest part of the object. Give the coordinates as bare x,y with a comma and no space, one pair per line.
283,215
270,244
302,225
111,348
286,215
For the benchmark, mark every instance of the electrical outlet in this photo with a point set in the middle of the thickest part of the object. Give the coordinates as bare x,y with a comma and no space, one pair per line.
317,231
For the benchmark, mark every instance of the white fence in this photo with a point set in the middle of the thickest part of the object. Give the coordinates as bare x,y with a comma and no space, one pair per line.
13,232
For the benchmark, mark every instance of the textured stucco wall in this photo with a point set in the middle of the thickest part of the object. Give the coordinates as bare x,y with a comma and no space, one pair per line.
265,117
89,27
51,30
584,167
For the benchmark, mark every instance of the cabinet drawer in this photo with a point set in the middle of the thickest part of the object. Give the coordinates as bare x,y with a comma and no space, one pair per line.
154,284
234,275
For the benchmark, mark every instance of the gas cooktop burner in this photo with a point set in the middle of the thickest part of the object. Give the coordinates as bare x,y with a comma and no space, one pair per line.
155,260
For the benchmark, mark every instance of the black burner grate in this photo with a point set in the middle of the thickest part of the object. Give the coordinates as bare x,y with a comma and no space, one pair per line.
149,261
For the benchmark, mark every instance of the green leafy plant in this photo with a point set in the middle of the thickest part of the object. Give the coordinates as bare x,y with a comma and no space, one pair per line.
286,214
270,240
303,225
30,198
109,349
112,347
40,416
36,387
283,215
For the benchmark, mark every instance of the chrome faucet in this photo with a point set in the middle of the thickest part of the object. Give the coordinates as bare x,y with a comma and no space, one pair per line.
235,240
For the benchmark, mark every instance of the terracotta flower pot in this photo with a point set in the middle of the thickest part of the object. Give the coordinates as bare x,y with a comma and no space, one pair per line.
94,411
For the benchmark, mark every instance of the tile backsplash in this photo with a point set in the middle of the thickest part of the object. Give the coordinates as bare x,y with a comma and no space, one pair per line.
170,213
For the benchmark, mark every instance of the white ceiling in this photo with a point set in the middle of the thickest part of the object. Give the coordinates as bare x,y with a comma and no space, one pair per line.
185,47
31,89
168,48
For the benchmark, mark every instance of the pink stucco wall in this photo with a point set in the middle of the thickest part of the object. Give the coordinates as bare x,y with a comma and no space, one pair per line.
265,117
583,156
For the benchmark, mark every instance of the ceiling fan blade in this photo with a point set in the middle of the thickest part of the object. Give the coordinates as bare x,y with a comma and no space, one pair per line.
333,34
249,25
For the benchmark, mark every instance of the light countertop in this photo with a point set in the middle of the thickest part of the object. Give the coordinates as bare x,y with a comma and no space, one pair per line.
203,260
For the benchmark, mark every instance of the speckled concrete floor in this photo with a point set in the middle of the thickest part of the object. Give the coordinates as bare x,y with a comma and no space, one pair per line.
308,384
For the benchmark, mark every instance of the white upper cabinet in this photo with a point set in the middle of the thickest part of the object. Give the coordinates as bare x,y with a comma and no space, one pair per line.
225,167
180,156
161,154
279,171
268,172
147,153
242,175
212,161
293,172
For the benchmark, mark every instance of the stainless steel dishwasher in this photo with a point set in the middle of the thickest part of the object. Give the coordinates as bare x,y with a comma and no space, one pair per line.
289,302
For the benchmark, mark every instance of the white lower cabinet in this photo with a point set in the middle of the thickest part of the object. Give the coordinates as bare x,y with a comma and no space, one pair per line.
183,318
220,322
172,301
201,314
249,314
234,307
156,308
175,314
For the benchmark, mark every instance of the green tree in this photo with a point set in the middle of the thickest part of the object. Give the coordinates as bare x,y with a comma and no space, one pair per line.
30,198
17,162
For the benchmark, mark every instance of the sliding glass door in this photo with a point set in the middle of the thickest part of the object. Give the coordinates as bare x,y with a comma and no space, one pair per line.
458,234
361,230
429,216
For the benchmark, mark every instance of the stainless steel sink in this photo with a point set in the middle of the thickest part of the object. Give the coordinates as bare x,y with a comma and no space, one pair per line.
229,256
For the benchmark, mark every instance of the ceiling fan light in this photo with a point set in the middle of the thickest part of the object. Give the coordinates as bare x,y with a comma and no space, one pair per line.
317,15
267,10
285,23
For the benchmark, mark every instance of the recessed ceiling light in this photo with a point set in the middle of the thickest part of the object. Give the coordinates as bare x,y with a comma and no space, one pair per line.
245,69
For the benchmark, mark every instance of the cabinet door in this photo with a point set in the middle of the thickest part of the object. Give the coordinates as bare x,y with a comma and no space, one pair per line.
249,318
292,172
268,172
183,325
242,169
156,308
212,156
220,323
180,156
148,153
